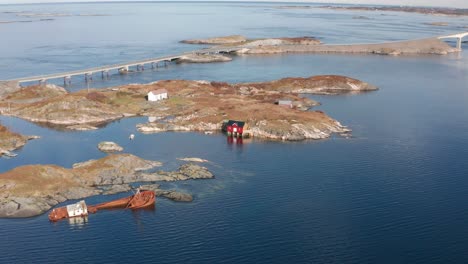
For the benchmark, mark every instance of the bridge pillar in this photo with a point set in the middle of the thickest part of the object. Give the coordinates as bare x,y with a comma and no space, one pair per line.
459,43
105,74
66,80
42,82
88,77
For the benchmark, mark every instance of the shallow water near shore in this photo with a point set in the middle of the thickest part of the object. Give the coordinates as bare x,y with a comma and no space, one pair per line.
395,192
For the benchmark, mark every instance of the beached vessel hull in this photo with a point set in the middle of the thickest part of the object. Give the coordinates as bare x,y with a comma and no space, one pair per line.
141,199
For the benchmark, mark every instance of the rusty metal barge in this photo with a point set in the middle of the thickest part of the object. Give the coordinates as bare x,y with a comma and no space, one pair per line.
141,199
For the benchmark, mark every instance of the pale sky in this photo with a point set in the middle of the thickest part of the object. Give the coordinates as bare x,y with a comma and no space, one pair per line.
446,3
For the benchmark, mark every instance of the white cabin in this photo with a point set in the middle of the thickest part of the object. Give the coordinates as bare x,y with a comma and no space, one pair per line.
157,95
77,209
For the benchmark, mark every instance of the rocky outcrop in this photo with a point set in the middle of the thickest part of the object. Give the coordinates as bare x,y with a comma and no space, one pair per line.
203,58
68,110
193,159
169,194
198,105
82,127
34,93
8,87
313,45
108,146
33,189
10,141
410,9
113,189
254,103
217,40
281,41
321,84
412,47
294,131
164,127
185,172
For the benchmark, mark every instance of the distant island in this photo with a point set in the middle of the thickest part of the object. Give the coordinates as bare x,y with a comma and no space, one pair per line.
409,9
308,44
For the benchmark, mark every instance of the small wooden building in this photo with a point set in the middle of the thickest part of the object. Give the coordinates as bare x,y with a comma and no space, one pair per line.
285,103
234,128
157,95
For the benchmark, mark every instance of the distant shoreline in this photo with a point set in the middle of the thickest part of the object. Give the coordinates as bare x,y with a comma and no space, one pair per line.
447,11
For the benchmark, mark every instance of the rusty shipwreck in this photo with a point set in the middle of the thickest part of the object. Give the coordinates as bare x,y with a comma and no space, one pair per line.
141,199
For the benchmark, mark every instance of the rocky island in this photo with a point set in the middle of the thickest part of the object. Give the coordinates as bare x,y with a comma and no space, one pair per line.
193,106
10,141
312,45
409,9
33,189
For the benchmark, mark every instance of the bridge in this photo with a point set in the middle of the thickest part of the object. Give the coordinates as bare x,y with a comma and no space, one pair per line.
121,67
154,62
458,36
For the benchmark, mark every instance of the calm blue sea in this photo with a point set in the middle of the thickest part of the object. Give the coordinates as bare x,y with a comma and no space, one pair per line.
396,192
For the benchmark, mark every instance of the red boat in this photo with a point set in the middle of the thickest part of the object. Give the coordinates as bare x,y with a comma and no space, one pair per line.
141,199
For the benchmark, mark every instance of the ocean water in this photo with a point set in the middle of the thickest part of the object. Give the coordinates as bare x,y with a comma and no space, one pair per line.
393,193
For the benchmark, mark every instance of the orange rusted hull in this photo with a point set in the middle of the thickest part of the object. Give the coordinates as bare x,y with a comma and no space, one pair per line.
141,199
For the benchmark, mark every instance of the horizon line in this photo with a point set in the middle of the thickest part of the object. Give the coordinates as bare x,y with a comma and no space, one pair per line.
227,1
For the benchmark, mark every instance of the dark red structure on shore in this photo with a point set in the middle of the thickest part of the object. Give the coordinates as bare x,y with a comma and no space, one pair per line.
234,128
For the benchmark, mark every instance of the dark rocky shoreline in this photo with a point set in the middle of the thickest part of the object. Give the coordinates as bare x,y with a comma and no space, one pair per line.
32,190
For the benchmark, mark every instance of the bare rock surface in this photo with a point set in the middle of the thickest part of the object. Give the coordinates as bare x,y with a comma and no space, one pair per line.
410,47
169,194
321,84
185,172
203,58
108,146
217,40
10,141
33,189
83,127
7,87
193,159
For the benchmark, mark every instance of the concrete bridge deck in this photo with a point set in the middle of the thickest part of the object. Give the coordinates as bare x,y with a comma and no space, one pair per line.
90,71
104,70
458,36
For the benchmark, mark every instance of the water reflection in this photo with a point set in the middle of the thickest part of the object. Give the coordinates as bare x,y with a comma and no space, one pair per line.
78,221
139,214
235,140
